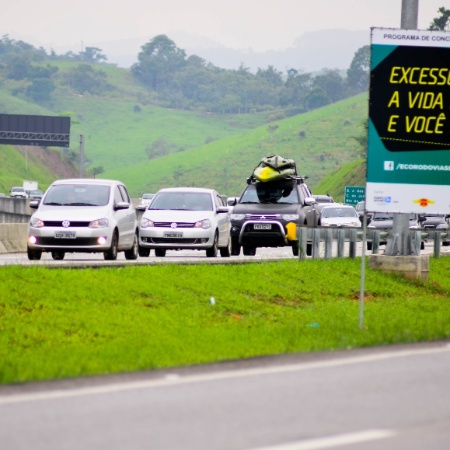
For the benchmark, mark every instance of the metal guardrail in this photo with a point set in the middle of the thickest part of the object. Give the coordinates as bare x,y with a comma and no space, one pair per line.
331,241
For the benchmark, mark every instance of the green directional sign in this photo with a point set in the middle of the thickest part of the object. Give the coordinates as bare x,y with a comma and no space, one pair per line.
354,194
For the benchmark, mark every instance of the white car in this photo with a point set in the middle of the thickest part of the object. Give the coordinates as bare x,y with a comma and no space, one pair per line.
145,200
18,192
337,215
185,218
83,216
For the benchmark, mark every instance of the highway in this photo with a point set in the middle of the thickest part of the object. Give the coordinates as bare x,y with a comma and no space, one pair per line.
390,397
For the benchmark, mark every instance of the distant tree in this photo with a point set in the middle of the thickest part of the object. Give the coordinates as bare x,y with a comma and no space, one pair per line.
331,83
295,89
40,90
92,55
83,78
358,72
441,23
273,77
97,170
17,66
42,71
361,140
316,98
159,60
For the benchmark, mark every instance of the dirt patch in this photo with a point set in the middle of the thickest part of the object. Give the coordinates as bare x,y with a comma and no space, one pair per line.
54,160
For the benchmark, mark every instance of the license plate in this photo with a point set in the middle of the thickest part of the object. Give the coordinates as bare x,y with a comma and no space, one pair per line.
65,235
262,226
168,234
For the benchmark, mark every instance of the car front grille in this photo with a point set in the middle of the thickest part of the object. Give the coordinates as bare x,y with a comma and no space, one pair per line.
173,241
73,224
170,224
78,242
262,216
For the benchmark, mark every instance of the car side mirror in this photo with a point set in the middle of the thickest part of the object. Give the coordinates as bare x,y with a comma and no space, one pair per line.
141,207
231,202
34,204
222,209
309,201
122,205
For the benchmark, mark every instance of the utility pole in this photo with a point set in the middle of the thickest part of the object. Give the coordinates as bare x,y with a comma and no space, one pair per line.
81,156
401,243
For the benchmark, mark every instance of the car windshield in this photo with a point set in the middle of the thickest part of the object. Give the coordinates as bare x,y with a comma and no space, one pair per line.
148,196
77,195
270,193
338,212
185,201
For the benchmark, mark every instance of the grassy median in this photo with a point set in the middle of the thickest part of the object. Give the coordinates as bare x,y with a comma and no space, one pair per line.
57,323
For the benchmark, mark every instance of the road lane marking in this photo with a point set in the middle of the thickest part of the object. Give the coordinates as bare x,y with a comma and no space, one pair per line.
173,379
332,441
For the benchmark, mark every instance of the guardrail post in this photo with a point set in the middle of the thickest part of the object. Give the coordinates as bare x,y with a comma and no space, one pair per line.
352,246
302,239
340,242
316,244
437,243
376,242
328,243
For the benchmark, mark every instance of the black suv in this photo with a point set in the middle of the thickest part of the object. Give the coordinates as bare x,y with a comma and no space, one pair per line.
267,215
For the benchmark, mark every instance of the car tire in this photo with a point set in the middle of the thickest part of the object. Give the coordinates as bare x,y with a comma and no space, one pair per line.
249,251
211,252
422,245
132,253
143,251
225,252
111,254
235,247
308,249
34,255
369,245
161,252
58,255
295,248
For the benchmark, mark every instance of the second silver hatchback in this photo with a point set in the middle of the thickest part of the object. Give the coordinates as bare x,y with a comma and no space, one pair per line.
185,218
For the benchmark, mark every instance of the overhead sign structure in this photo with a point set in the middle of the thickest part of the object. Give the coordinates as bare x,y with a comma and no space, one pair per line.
354,194
408,158
46,131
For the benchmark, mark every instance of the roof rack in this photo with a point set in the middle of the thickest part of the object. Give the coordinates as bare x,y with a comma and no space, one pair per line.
299,178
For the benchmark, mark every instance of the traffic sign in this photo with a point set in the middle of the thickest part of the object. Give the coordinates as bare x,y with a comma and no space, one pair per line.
354,194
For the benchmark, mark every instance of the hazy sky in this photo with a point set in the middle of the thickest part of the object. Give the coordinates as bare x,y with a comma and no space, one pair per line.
241,24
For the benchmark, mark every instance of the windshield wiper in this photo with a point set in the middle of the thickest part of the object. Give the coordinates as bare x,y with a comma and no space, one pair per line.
53,204
79,204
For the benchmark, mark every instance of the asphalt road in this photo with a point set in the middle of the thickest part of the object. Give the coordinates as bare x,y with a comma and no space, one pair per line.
392,397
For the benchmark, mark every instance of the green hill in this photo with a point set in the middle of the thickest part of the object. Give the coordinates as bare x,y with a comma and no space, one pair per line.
149,147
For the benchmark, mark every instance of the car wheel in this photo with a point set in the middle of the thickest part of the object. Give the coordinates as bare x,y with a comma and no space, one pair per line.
143,251
160,252
212,251
34,255
111,254
225,252
422,245
369,245
132,253
249,251
295,248
309,249
235,247
58,255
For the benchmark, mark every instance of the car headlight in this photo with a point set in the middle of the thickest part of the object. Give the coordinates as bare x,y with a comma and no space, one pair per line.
99,223
237,216
146,223
205,224
290,217
36,223
442,226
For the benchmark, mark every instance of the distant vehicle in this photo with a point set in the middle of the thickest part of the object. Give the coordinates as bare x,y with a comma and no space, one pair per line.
338,215
385,221
360,211
145,200
320,198
83,216
30,186
437,222
185,218
36,194
18,192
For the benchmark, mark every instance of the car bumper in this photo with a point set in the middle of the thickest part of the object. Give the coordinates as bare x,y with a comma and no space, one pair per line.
258,233
85,240
169,238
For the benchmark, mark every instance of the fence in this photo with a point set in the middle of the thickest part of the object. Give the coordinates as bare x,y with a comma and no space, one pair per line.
341,242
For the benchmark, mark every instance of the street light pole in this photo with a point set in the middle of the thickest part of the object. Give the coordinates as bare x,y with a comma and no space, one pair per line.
401,243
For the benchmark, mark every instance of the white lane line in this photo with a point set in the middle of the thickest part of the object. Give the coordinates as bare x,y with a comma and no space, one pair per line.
175,379
333,441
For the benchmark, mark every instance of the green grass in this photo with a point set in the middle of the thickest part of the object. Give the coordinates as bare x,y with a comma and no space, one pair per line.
57,323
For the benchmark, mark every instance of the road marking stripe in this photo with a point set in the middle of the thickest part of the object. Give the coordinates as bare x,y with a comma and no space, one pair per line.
175,379
333,441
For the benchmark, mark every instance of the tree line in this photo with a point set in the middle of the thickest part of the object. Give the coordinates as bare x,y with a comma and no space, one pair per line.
189,82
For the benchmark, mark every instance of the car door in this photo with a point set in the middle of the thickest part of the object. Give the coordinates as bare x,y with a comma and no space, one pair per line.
126,218
223,220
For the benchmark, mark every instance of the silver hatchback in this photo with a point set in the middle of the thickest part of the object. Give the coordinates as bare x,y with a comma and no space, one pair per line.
185,218
83,215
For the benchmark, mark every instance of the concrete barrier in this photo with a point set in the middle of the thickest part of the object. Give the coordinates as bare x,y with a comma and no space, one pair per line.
13,237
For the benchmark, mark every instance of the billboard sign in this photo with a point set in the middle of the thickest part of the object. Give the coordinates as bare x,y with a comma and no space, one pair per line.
45,131
408,156
354,194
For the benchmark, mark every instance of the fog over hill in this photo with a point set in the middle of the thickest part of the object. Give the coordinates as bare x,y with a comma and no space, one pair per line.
311,52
